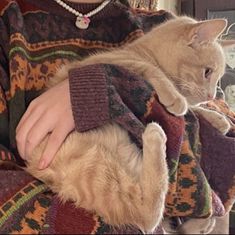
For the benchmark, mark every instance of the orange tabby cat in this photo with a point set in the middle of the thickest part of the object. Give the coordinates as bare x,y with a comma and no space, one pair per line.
101,169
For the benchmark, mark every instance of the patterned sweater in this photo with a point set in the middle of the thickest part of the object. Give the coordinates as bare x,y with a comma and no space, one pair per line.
38,36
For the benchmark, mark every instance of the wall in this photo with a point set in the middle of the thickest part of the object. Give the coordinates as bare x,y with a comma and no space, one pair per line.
170,5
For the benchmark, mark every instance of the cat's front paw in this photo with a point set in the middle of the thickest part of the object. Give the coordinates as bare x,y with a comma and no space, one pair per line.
220,123
178,107
174,103
217,120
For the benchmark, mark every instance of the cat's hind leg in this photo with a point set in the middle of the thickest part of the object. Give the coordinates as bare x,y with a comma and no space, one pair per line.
154,175
191,226
197,226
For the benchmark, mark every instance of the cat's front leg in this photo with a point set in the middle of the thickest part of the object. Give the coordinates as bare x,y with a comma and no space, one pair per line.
168,95
217,120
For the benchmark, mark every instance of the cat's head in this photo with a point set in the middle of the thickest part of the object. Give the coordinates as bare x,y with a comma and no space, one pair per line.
192,57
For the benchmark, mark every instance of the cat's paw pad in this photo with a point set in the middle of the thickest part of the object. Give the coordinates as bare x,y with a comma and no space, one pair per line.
154,134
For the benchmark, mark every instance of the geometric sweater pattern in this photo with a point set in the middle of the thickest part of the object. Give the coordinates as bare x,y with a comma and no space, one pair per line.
36,37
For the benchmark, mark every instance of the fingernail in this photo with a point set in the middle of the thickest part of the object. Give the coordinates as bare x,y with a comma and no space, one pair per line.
42,164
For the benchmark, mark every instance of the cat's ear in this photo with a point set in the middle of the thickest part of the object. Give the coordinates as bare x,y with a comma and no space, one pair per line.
205,31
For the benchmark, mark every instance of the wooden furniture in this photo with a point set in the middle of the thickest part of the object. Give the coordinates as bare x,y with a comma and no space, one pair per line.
200,8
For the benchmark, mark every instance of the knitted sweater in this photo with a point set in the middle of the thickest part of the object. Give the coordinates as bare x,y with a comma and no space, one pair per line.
38,36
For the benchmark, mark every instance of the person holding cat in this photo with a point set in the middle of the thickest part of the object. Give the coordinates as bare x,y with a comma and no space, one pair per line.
37,38
112,24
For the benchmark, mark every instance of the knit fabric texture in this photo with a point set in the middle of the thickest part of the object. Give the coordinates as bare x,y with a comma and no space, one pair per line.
36,37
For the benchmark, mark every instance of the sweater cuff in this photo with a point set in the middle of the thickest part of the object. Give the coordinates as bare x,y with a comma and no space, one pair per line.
89,96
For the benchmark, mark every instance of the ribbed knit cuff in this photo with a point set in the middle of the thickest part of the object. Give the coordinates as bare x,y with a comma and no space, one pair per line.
89,97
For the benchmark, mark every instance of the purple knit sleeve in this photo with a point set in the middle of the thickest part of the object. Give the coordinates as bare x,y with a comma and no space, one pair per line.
89,97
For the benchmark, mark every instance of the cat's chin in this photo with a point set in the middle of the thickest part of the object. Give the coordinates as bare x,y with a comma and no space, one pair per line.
196,102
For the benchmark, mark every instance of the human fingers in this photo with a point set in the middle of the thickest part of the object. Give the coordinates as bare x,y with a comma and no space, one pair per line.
55,140
31,108
38,132
32,116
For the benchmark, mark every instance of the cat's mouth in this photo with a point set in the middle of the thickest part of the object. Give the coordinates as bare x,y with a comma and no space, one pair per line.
196,96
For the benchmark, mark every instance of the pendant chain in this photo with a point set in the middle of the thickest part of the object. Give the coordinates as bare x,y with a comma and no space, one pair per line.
83,20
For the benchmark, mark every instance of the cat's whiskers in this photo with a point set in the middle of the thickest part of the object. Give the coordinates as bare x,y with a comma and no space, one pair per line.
186,87
182,85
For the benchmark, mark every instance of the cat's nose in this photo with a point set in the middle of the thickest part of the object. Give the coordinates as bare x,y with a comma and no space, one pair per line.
210,97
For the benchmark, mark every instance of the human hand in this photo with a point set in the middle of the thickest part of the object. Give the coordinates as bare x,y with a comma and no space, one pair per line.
51,113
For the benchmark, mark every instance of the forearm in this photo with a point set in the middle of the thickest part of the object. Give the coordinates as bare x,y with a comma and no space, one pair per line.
101,93
89,96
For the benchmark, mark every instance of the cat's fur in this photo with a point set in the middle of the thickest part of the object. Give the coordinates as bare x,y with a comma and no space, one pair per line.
102,170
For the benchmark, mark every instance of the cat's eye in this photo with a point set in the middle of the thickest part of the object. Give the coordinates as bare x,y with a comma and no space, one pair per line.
207,72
